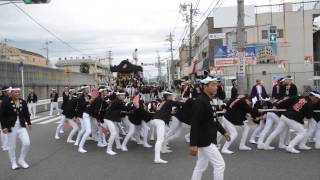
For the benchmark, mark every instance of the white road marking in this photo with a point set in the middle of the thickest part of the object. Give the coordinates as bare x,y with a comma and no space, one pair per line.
41,119
50,120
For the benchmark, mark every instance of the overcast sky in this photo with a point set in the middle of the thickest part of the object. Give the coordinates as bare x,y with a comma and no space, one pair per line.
96,26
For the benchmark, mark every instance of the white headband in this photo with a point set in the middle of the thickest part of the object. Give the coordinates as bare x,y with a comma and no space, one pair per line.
9,89
117,93
208,79
15,89
83,87
104,89
316,95
167,93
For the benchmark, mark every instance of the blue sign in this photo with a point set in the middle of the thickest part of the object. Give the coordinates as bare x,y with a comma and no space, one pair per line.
227,56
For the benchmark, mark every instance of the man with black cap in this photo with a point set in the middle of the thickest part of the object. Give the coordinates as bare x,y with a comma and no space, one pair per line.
203,133
300,108
32,102
54,102
15,122
289,89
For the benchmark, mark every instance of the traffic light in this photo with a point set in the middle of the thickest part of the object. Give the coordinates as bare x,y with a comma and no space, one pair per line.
273,34
273,38
36,1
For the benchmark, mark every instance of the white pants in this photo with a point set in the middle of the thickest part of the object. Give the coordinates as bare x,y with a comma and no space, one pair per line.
311,130
75,128
101,134
175,129
205,155
4,140
55,106
85,130
114,134
159,125
22,133
60,125
145,132
271,119
257,131
233,133
32,109
318,135
94,128
152,133
285,123
131,130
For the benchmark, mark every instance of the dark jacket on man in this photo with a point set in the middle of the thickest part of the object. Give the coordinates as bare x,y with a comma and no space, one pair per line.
70,108
83,104
10,113
204,123
165,112
299,107
98,108
54,97
115,111
32,97
237,110
254,92
65,99
276,92
234,92
289,90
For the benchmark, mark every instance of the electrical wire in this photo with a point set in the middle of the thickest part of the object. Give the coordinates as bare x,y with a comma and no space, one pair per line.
47,30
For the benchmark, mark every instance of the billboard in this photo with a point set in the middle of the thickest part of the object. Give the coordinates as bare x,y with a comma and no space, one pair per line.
256,53
228,56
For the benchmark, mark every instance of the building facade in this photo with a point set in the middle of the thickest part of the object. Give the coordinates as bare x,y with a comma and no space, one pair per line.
293,52
98,68
16,55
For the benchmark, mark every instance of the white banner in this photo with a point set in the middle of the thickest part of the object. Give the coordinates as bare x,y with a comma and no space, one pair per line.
217,36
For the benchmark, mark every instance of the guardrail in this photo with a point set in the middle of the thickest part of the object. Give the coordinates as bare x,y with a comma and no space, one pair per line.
45,102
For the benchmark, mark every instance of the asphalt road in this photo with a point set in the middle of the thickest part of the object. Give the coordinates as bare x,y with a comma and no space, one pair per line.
52,159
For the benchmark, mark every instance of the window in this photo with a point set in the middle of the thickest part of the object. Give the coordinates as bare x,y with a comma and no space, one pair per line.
280,33
34,60
264,34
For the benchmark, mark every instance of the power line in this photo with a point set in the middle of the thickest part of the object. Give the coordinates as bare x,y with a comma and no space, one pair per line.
213,9
207,10
196,6
46,29
183,35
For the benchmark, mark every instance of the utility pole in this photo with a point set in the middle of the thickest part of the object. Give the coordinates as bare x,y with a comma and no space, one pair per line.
47,50
241,74
171,68
109,54
190,35
4,48
189,19
159,67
